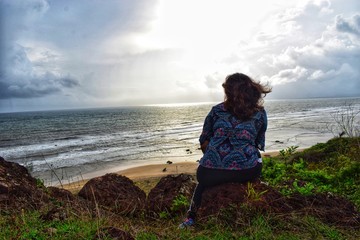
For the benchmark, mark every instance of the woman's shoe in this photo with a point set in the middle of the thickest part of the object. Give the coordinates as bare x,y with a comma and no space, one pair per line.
187,223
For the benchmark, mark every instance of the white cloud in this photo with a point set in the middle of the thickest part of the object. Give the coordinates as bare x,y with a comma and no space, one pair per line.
288,76
319,45
135,51
351,25
214,80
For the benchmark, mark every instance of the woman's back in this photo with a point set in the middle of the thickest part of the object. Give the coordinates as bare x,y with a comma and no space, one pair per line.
233,142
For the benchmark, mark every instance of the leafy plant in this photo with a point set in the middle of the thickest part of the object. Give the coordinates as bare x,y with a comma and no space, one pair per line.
179,203
333,166
286,153
164,215
274,171
306,189
252,194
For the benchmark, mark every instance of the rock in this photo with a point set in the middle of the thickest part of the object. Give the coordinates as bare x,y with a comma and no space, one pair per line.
116,193
254,195
61,194
55,214
18,189
162,196
238,202
113,233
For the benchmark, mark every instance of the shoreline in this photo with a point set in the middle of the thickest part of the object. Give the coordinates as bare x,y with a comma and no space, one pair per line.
143,172
151,170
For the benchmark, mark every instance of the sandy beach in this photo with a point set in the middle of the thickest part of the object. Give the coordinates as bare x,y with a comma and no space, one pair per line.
153,170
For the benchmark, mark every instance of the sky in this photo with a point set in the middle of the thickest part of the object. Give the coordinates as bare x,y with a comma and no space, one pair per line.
60,54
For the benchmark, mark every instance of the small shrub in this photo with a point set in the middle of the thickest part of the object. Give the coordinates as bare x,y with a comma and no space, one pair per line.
179,203
252,194
306,189
164,215
285,154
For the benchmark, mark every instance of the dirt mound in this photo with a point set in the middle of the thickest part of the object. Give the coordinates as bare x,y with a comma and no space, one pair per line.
18,190
232,202
116,193
60,194
255,195
162,196
235,200
329,208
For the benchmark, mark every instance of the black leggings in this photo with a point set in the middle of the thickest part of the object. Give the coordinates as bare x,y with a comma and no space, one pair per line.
208,177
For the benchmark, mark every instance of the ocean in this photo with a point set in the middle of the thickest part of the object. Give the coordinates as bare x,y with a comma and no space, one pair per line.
70,145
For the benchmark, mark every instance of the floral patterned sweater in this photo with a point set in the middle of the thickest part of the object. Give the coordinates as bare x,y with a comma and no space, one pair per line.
233,144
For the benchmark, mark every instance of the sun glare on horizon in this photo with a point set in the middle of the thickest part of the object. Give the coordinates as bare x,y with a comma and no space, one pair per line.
200,25
61,54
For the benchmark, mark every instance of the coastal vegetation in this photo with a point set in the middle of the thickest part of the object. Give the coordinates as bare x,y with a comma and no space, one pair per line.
326,171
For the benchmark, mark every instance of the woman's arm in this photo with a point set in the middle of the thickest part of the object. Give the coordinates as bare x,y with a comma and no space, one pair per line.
260,139
207,131
204,146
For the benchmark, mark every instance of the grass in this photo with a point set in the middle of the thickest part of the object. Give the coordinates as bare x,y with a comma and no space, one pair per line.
329,167
326,167
30,226
260,227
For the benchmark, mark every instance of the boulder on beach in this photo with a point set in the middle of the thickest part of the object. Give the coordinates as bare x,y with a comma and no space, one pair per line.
116,193
162,196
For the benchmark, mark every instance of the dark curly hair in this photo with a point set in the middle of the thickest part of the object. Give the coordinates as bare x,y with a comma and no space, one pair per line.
243,96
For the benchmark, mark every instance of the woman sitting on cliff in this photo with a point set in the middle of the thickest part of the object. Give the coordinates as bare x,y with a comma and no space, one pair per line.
233,133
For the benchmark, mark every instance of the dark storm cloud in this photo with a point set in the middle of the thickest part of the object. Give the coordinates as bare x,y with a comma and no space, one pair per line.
49,84
43,42
36,87
25,91
68,82
18,79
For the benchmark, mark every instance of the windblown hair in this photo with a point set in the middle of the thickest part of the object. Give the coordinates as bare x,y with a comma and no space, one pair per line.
243,96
